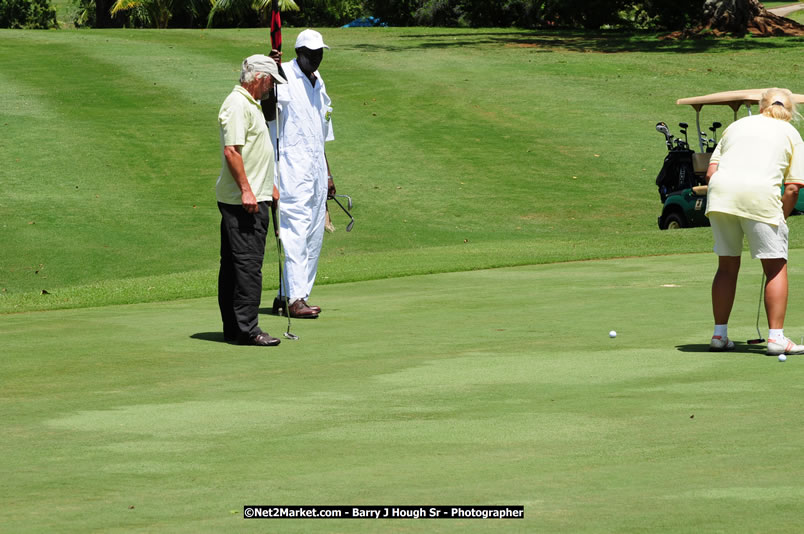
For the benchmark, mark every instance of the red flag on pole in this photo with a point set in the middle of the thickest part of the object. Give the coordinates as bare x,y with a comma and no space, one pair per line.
276,26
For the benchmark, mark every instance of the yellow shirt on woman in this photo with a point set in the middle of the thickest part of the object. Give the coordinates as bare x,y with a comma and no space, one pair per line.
755,157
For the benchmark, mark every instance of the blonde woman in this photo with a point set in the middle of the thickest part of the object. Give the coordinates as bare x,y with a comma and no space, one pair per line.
756,157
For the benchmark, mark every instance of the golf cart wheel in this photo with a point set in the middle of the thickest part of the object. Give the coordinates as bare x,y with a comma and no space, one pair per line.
673,221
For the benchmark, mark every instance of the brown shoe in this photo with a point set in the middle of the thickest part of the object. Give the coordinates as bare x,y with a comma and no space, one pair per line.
314,308
301,310
263,339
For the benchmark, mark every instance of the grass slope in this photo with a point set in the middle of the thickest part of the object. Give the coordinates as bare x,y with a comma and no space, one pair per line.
418,390
463,149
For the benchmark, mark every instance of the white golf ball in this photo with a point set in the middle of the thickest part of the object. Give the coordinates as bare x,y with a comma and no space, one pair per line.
612,334
782,358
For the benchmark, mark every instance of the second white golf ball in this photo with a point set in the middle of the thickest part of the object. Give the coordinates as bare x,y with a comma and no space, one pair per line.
782,358
612,334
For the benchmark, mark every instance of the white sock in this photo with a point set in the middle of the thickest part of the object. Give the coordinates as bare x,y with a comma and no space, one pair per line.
721,330
776,334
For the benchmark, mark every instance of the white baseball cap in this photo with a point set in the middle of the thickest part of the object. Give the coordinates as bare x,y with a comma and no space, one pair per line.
310,39
262,63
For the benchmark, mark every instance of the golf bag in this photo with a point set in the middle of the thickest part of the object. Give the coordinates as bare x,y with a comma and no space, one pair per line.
677,173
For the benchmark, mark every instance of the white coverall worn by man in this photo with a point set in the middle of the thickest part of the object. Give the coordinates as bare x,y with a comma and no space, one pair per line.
305,181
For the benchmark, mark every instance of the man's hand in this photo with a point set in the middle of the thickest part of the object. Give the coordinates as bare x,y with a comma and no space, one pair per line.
249,202
275,195
276,55
330,187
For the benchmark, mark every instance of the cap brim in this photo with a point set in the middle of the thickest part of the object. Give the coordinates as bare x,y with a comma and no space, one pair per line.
310,46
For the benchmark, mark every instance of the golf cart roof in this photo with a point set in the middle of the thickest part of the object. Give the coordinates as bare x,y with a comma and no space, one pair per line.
733,99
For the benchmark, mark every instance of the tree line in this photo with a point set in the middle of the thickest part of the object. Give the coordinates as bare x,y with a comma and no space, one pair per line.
734,16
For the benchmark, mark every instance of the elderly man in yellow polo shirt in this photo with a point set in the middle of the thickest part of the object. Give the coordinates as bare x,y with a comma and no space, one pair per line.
756,157
245,190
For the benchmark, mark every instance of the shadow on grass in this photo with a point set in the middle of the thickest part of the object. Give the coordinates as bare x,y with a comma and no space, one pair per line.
216,337
603,42
739,348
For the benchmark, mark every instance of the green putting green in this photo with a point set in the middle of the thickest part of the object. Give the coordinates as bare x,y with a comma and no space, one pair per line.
487,387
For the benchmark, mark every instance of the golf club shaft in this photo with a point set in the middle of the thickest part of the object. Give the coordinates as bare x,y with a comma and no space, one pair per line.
280,257
759,338
352,222
283,293
759,303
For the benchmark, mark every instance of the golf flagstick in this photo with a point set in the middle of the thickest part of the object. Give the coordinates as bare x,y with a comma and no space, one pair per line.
276,43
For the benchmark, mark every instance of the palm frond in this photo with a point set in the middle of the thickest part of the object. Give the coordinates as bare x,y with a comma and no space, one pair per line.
123,5
288,5
284,5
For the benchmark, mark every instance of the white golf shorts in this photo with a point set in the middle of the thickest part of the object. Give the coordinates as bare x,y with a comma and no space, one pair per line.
765,241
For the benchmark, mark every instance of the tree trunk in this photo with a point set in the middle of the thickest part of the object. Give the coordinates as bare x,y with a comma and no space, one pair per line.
102,16
746,16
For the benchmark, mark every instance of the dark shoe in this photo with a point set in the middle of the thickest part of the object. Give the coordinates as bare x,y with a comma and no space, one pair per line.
261,340
300,310
279,306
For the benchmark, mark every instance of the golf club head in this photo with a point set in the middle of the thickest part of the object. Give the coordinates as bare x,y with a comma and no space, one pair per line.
352,221
716,125
683,125
288,335
348,200
755,341
662,129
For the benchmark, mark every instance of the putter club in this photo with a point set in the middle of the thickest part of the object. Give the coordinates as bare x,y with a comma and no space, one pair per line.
280,257
759,338
352,222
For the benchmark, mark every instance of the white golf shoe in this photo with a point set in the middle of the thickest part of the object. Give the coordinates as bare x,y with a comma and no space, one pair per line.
720,344
783,346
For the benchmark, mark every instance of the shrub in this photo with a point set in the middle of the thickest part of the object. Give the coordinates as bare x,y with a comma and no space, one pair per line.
28,14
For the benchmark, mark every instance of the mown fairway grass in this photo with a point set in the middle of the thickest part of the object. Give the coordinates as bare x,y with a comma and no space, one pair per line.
485,387
462,149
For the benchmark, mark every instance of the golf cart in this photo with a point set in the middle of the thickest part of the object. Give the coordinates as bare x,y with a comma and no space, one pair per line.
682,179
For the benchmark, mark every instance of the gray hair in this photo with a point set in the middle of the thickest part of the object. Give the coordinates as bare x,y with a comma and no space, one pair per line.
248,74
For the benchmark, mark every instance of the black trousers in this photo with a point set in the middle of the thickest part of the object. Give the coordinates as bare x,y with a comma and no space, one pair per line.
240,278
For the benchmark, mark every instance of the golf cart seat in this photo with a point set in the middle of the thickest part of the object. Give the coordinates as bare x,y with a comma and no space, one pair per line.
700,162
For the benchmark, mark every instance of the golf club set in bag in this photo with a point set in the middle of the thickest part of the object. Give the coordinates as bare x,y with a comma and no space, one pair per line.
677,172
